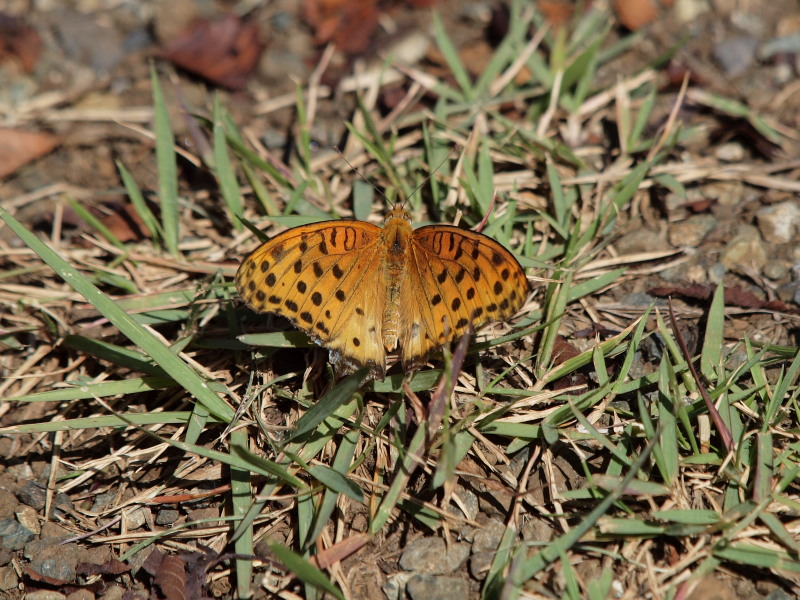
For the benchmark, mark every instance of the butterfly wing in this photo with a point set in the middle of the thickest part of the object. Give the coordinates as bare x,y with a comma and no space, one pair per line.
455,277
326,279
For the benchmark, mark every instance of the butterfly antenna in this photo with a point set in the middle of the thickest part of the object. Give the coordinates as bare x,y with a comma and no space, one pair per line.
433,171
416,189
357,172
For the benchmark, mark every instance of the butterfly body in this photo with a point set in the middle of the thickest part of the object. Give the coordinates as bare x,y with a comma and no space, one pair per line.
363,291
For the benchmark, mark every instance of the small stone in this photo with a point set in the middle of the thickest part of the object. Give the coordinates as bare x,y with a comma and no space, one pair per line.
33,494
726,193
13,535
431,587
395,586
103,501
55,531
8,578
688,11
536,530
465,505
167,516
8,504
749,22
88,42
114,592
95,555
21,472
691,232
484,547
45,595
779,223
640,239
775,270
789,292
135,519
736,54
745,252
730,152
51,559
716,273
81,594
431,555
29,518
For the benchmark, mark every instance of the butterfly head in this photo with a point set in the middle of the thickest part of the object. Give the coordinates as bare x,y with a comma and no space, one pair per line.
397,212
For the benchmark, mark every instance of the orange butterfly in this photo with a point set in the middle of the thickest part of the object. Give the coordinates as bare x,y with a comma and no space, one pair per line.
361,290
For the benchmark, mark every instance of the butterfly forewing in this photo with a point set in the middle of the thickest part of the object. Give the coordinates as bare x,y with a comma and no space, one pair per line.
324,278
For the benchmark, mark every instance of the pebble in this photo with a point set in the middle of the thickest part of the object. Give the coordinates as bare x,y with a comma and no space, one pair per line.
82,594
640,239
135,519
779,223
736,54
89,43
431,587
484,547
431,555
716,273
49,558
8,504
688,11
789,292
8,578
29,518
745,252
167,516
395,586
467,505
45,595
730,152
33,494
114,592
692,231
21,472
775,270
13,536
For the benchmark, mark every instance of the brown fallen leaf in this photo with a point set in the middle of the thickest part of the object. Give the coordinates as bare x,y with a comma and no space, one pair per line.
347,23
171,577
124,222
19,41
225,52
635,14
734,296
18,148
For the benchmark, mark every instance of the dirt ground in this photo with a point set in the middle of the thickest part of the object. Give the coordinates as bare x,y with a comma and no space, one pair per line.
76,99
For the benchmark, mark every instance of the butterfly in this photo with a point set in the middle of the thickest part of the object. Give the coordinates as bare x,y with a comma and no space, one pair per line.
363,291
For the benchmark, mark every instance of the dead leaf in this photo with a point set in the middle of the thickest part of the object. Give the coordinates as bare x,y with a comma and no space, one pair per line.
341,550
225,52
19,41
347,23
556,12
18,148
734,296
635,14
125,223
171,577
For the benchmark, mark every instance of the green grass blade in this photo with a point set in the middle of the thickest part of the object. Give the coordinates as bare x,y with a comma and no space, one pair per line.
163,356
167,168
224,169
